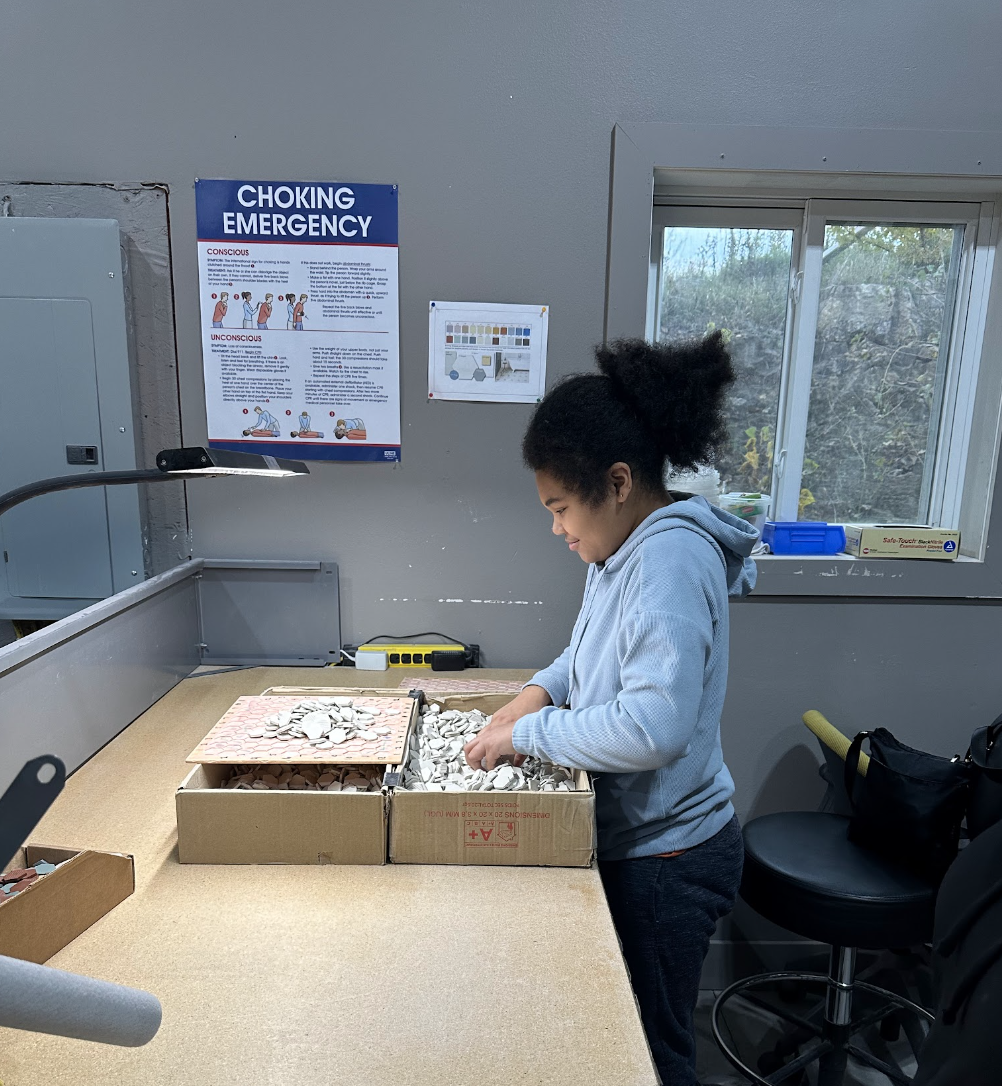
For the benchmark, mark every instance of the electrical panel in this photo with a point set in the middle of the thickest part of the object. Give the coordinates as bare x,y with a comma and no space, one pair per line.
66,408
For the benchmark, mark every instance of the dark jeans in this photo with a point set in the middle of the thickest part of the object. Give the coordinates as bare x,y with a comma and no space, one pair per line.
665,911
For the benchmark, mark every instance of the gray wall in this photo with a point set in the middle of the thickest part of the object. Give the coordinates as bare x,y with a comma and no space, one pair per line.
495,121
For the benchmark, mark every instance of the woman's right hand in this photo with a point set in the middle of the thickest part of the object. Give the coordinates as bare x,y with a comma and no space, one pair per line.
531,699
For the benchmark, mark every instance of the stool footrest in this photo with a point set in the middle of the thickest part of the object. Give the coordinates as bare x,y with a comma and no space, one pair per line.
831,1040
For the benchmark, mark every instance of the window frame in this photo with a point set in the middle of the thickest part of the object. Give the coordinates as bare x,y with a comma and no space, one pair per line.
769,167
807,219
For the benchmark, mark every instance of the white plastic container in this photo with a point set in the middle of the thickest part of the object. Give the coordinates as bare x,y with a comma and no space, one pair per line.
752,507
705,482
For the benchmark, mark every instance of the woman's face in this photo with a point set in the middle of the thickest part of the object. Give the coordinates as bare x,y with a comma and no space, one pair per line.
594,533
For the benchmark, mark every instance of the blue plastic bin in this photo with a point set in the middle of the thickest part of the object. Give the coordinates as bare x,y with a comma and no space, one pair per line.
803,537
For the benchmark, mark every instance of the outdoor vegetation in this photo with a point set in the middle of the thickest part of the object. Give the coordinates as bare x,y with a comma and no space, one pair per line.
871,427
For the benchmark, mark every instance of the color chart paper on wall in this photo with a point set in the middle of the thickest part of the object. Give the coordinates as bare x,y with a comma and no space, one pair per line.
300,318
487,351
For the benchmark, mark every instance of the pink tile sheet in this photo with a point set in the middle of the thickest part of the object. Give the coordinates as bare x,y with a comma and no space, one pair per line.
229,742
442,685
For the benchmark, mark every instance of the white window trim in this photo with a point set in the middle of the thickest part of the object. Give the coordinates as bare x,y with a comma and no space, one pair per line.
808,223
687,161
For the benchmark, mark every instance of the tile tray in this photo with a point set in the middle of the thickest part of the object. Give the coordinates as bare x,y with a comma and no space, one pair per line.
442,684
228,743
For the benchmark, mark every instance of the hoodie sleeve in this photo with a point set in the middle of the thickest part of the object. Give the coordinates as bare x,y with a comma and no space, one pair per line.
555,679
663,655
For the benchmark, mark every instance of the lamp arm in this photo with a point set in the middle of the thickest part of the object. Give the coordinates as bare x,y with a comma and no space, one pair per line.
91,478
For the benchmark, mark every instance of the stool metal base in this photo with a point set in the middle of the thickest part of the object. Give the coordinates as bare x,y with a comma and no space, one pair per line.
832,1036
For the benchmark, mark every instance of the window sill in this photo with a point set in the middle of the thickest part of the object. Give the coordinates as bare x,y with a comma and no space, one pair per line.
846,575
959,560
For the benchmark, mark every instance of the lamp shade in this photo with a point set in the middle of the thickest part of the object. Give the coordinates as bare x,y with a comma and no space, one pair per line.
200,461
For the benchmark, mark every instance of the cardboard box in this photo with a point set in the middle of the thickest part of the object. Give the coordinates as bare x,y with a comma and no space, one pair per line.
336,691
233,826
549,829
901,541
39,921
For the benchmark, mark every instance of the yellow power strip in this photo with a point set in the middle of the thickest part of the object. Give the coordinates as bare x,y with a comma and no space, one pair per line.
409,655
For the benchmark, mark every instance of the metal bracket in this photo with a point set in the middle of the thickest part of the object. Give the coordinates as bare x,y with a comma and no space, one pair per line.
29,796
796,287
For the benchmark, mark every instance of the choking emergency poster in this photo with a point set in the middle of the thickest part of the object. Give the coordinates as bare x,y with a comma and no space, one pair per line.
299,309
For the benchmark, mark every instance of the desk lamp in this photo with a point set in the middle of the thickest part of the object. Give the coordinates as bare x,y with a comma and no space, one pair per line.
192,463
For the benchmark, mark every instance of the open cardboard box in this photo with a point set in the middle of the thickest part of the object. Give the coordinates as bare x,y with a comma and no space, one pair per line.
39,921
553,829
234,826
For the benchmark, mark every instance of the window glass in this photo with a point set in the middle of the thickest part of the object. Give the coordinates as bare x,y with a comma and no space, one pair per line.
736,280
880,357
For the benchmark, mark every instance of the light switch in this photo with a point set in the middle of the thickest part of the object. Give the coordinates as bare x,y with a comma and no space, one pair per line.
81,454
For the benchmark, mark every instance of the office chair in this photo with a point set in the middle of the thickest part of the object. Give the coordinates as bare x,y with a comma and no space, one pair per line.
802,873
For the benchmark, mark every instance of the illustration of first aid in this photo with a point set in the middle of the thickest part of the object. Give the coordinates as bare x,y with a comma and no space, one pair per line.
266,425
220,311
299,313
352,429
306,428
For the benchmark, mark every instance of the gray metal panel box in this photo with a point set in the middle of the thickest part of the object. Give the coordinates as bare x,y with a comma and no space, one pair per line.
65,378
269,612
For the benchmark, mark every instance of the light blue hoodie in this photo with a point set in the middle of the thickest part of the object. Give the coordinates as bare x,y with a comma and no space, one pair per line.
645,676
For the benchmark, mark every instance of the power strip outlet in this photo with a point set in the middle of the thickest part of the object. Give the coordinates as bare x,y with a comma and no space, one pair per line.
414,654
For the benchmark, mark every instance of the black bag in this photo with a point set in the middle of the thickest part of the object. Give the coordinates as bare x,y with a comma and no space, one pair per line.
910,804
985,760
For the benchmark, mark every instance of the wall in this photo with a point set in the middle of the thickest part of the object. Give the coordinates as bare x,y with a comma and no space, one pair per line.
495,120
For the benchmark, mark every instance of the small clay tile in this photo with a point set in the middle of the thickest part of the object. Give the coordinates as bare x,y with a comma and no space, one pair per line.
18,873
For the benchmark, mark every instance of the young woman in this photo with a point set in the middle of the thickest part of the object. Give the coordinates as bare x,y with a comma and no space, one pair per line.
645,673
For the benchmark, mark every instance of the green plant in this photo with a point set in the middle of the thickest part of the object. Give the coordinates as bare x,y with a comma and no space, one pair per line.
755,469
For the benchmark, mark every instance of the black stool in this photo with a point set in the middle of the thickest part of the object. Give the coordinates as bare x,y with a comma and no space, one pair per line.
803,873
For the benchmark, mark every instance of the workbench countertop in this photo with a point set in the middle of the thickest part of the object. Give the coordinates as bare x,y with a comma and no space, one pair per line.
293,976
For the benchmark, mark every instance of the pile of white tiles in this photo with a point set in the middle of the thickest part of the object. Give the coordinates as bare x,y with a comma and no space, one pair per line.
325,722
436,762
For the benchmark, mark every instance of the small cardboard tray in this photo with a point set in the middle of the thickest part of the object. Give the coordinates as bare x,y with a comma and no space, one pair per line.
51,913
552,829
229,741
235,826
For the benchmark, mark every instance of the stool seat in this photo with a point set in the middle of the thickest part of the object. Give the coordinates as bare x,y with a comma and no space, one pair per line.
803,873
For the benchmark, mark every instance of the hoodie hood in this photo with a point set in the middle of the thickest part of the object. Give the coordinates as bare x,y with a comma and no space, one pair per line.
733,538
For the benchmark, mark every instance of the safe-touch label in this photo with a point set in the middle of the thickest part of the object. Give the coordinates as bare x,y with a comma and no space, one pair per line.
490,833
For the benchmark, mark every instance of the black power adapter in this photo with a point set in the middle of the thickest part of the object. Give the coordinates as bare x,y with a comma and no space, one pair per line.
447,660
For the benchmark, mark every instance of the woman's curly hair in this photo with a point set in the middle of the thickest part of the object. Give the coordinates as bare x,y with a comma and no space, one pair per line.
651,404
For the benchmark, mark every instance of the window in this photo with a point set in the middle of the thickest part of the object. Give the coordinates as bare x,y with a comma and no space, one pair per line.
855,341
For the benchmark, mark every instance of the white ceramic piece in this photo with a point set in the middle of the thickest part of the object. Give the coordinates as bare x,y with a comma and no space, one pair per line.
435,759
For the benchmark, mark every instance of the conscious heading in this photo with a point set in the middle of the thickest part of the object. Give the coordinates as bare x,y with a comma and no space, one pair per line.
296,211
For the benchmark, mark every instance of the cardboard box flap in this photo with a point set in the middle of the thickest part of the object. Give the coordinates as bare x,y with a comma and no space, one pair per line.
52,912
336,692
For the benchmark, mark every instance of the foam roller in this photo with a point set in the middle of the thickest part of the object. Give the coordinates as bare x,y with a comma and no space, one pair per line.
44,1000
833,738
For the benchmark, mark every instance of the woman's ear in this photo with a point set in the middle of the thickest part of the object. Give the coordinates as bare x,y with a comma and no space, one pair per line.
621,477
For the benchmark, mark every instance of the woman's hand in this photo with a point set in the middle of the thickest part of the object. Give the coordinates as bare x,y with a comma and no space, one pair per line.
493,742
